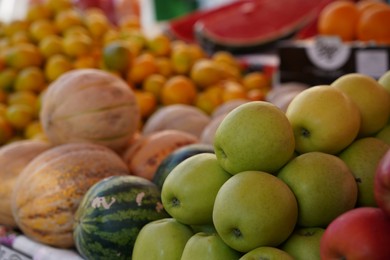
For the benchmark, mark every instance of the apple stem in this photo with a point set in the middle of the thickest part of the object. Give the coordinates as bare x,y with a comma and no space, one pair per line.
237,232
175,202
305,132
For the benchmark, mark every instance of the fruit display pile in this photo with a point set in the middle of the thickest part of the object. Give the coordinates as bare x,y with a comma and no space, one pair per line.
119,146
57,37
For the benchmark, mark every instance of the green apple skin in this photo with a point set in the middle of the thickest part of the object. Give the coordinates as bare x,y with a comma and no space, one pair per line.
384,80
362,157
254,136
254,209
324,119
161,239
304,243
209,228
189,190
323,185
203,246
266,252
372,99
384,134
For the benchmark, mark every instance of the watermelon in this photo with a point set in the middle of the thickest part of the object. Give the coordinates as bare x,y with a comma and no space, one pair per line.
111,214
176,157
247,26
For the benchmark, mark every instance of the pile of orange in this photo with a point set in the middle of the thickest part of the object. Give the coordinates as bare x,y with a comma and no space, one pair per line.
364,20
56,37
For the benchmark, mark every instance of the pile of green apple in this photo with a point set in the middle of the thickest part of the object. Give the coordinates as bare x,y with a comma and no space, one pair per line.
300,184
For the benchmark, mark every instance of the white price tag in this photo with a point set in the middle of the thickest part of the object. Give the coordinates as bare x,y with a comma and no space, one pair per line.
372,62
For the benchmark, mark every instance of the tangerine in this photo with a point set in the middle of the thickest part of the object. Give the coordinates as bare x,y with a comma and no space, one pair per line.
178,89
339,18
373,25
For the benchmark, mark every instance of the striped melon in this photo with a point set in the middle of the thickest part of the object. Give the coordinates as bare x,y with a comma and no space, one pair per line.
112,213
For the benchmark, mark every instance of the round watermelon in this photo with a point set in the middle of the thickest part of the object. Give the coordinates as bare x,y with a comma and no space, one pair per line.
176,157
111,214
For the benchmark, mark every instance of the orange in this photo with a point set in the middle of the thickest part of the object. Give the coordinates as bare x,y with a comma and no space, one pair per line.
67,18
256,80
206,72
7,79
339,18
256,94
146,101
154,84
97,24
181,59
26,97
178,89
33,130
30,78
39,29
19,115
364,5
6,130
85,61
20,37
77,45
233,90
164,66
159,45
116,56
23,55
56,65
51,45
209,99
374,25
142,66
38,11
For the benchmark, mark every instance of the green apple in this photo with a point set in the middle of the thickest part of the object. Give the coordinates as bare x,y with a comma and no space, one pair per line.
323,185
208,246
254,209
384,134
254,136
267,252
362,157
324,119
304,243
371,98
384,80
189,190
161,239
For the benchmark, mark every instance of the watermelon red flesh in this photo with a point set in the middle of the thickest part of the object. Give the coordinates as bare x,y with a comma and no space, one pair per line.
101,233
257,21
247,22
183,27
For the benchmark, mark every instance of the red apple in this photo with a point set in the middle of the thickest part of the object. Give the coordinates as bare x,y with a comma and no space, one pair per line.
382,183
360,233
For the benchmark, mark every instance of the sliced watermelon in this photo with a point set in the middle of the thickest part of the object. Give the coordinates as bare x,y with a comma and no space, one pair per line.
246,26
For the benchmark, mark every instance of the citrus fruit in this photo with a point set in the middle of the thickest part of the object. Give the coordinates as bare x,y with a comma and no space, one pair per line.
146,101
41,28
206,72
30,78
142,66
116,56
374,24
77,45
23,55
154,84
339,18
178,89
19,115
51,45
56,65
